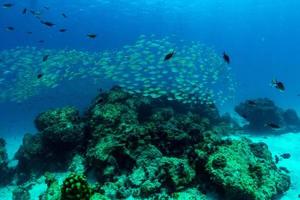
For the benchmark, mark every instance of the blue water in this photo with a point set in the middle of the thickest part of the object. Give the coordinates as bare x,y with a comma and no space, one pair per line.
262,38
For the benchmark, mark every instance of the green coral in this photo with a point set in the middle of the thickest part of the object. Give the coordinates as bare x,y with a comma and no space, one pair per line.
75,187
178,171
53,191
244,175
108,114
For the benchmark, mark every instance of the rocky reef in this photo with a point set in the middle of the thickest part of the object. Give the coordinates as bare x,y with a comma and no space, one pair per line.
146,148
5,171
260,112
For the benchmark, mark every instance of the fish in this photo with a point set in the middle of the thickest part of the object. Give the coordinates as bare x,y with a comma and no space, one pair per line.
169,56
41,41
226,58
64,15
276,159
10,28
37,14
251,102
278,85
272,125
47,23
40,75
24,11
29,32
7,5
284,169
45,58
46,7
62,30
92,36
285,155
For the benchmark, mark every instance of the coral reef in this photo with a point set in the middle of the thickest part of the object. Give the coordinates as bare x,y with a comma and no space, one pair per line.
60,134
147,148
75,187
260,112
5,171
245,170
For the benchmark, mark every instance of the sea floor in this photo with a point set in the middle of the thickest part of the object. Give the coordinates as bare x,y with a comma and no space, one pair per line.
278,144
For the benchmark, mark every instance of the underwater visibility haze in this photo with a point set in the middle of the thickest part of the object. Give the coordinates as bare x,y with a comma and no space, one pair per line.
149,99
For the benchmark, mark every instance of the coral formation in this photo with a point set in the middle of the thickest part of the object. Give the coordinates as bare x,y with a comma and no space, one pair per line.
75,187
147,148
260,112
245,170
60,133
5,171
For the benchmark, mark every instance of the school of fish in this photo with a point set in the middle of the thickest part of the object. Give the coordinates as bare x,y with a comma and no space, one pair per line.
193,73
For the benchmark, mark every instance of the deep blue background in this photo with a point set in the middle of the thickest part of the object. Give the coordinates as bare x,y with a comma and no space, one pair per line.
262,38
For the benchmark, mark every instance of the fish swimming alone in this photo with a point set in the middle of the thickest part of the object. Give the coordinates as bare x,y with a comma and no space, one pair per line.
92,36
24,11
62,30
7,5
226,57
47,23
278,85
45,58
251,102
40,75
10,28
272,125
169,56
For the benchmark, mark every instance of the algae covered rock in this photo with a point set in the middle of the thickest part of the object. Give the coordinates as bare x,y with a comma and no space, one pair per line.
5,171
242,172
60,127
53,191
261,111
21,193
177,171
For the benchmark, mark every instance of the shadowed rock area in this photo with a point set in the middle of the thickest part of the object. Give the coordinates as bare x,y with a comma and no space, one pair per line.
263,111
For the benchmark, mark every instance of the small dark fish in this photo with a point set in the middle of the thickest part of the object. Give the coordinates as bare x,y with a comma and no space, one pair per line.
46,7
272,125
29,32
285,155
169,56
10,28
24,11
276,159
64,15
278,85
226,58
49,24
7,5
284,169
62,30
37,14
251,102
40,75
41,41
244,116
92,36
45,58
